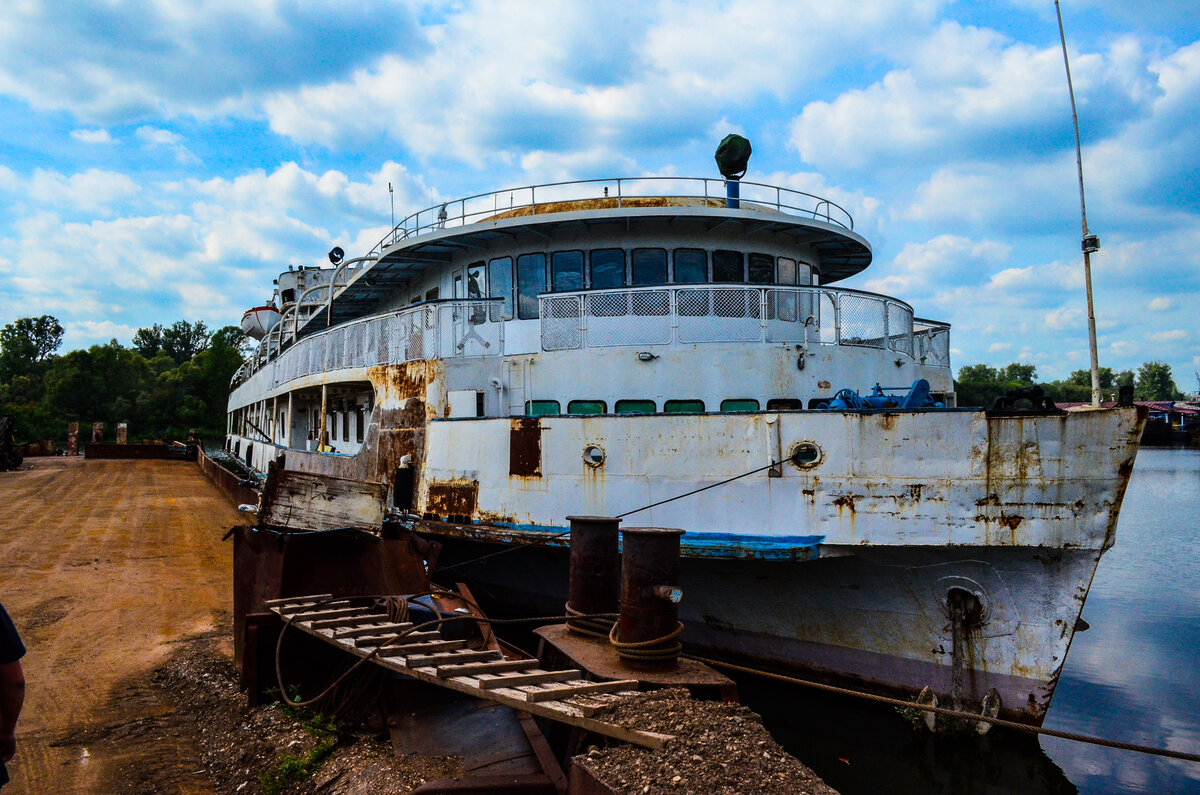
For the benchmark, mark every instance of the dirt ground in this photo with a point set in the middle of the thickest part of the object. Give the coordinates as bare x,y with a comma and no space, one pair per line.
106,565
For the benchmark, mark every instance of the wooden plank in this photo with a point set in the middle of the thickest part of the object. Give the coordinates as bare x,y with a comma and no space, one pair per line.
533,677
288,600
380,640
495,665
305,501
346,621
317,615
403,650
373,629
559,692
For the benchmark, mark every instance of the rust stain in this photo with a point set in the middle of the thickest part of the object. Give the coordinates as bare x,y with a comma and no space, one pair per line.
395,383
846,501
525,447
606,204
455,500
888,421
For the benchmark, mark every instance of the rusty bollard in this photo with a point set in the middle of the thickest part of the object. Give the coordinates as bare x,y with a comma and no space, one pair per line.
595,574
649,627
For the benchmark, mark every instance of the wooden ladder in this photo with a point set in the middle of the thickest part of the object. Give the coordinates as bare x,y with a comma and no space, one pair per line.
562,696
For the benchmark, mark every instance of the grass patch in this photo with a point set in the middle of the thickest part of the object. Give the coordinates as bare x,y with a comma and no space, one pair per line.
291,769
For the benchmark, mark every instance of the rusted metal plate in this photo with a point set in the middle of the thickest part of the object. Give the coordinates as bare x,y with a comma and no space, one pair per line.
525,447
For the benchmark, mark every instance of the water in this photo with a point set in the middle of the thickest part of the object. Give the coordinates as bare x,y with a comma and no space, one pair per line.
1134,676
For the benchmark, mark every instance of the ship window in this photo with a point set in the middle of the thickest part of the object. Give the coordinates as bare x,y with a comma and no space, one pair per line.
501,278
541,408
635,407
739,404
683,407
607,268
787,271
531,280
566,270
476,280
287,296
359,426
804,273
458,287
346,426
586,407
762,269
431,295
648,266
728,266
691,266
785,404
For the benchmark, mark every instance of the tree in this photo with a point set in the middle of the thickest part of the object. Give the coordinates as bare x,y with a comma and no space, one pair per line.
184,340
26,342
977,373
1154,382
1017,373
1084,378
148,341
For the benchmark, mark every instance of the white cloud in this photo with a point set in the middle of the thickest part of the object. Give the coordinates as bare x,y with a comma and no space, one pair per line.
1160,304
996,347
100,136
1173,335
1064,318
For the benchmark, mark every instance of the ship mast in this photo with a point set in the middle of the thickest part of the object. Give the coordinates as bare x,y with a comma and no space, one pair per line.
1090,242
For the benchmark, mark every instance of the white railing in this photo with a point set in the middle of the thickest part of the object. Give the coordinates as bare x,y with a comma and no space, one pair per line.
710,313
612,193
436,330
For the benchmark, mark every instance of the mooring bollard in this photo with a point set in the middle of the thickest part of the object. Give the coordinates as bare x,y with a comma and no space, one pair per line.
595,574
649,627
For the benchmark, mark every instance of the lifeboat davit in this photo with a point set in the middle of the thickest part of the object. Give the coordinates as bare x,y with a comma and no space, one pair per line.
258,321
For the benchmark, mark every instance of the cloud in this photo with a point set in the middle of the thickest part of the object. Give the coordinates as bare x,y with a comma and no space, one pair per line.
100,136
1063,318
940,264
127,61
974,90
1173,335
93,191
1160,304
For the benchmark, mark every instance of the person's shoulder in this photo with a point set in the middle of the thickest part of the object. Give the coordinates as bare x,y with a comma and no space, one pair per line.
11,647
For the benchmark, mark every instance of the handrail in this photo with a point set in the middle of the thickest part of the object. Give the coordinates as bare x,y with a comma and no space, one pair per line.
753,195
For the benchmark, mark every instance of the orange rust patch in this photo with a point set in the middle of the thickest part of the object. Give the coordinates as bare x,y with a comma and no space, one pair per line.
525,447
455,500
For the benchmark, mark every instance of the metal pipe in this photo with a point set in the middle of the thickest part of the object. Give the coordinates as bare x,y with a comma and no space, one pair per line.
1090,243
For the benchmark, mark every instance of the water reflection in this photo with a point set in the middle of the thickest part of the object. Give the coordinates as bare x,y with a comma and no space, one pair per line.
1134,676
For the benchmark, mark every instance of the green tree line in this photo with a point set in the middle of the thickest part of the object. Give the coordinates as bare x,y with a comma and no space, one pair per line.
171,379
981,384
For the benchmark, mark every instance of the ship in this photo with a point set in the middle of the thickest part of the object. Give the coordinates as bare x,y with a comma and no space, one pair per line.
679,352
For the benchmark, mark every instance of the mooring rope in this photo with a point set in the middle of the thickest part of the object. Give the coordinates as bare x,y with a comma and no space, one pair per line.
951,713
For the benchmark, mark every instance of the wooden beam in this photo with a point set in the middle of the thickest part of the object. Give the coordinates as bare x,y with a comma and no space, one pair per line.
560,692
345,621
374,629
533,677
491,666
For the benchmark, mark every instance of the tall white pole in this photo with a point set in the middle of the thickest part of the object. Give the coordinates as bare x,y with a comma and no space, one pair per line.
1090,242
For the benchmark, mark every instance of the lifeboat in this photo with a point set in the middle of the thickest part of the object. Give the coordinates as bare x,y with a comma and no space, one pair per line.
258,321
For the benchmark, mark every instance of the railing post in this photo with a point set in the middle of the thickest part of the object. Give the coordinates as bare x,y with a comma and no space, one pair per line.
582,303
618,192
673,303
533,200
762,314
887,338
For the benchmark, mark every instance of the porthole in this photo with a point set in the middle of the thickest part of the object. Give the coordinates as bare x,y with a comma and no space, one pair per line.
593,456
805,455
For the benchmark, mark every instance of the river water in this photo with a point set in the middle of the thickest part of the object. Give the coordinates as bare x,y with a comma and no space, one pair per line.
1134,676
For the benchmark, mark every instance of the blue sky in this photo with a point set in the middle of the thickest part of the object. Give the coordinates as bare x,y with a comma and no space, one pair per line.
161,160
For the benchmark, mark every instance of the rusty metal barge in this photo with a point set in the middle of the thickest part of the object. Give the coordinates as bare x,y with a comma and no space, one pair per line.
675,350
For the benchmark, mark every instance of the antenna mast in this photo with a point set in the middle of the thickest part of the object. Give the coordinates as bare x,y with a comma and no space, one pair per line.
1090,242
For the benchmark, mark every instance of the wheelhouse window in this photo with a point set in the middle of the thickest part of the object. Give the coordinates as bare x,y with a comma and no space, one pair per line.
476,280
606,269
787,271
683,407
542,408
566,271
648,266
500,279
728,266
586,407
691,266
762,269
531,280
635,407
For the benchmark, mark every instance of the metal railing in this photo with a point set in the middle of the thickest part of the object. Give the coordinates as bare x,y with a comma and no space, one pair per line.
712,313
611,193
931,342
435,330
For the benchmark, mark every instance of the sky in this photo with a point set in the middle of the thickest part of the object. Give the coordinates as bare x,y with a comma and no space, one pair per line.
163,160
